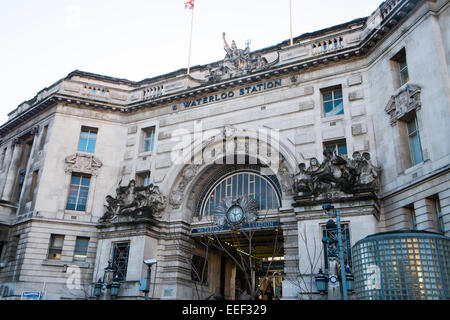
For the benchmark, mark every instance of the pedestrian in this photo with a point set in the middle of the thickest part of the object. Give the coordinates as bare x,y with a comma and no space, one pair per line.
269,291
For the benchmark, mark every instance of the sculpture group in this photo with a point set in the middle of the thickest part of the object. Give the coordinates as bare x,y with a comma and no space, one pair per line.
236,62
135,200
337,173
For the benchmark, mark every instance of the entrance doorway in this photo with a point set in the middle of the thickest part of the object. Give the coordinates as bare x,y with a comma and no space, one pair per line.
242,263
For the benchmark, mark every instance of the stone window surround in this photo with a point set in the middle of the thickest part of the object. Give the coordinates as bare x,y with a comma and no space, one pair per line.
322,107
141,131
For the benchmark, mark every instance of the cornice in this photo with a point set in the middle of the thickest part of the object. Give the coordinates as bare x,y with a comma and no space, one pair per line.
391,19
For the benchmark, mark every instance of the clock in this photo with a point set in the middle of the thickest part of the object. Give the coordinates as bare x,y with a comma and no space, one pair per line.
235,214
333,279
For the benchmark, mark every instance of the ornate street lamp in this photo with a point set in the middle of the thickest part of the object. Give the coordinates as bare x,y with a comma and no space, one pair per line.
328,208
108,283
321,282
98,288
350,279
115,286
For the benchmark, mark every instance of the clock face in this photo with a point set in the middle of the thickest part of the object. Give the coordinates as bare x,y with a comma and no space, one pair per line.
235,214
333,279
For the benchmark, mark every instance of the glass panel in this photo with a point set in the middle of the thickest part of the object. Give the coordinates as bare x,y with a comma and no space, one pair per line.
263,194
240,185
258,190
327,96
91,146
338,94
412,126
416,150
82,145
235,186
85,181
246,183
339,106
75,180
328,108
342,149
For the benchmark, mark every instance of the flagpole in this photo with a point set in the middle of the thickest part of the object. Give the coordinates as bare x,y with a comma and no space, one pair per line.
290,19
190,43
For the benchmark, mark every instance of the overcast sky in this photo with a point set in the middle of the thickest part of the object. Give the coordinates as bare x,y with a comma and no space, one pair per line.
44,40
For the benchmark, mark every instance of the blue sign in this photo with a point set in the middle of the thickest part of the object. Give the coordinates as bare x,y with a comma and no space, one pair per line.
255,225
31,295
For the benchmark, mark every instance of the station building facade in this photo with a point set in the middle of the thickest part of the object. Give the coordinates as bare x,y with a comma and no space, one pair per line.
96,169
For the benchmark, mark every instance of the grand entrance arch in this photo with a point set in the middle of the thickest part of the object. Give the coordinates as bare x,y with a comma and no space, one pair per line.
234,165
244,252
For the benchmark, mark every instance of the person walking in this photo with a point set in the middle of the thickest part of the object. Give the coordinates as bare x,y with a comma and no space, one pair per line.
269,291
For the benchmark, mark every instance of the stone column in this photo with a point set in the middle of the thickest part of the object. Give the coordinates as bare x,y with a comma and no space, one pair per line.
291,256
4,169
426,217
8,191
444,200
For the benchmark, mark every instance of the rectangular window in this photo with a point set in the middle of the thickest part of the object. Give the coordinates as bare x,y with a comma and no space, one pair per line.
88,138
143,178
78,192
333,103
331,248
3,158
413,219
13,245
120,260
403,67
149,139
339,147
56,246
43,138
415,147
199,269
1,250
440,215
33,185
81,249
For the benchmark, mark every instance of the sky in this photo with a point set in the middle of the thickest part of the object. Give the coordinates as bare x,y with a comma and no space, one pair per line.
42,41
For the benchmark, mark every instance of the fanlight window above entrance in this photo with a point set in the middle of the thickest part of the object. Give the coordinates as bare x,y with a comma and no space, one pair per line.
241,184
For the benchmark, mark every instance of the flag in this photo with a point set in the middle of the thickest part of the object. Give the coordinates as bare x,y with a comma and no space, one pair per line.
189,4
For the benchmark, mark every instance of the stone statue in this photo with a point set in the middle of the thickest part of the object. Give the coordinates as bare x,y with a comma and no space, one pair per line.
337,173
134,201
237,57
236,62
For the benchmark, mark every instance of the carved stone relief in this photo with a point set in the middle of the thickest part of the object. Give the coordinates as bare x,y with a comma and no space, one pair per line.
133,201
337,174
405,100
83,163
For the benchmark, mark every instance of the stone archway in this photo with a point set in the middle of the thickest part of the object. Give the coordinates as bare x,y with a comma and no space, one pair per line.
186,181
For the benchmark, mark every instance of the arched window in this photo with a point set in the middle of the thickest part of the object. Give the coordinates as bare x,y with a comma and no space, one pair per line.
239,184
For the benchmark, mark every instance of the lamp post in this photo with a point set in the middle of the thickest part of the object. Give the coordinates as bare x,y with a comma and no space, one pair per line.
109,286
145,283
336,213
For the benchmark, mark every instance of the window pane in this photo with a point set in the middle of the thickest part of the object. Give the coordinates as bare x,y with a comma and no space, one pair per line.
339,107
416,150
328,108
85,181
75,180
327,96
338,94
91,146
342,149
82,145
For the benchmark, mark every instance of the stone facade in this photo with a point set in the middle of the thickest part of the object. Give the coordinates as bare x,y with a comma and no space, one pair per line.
139,129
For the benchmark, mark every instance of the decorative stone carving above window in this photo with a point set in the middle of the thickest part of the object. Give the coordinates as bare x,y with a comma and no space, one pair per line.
405,100
83,163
